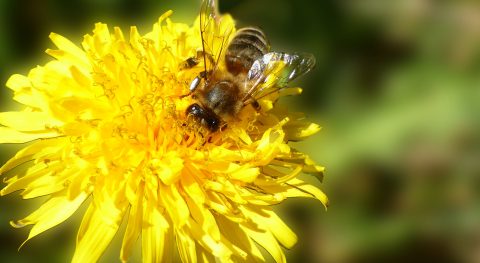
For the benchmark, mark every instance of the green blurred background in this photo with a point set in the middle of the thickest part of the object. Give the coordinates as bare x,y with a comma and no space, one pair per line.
396,88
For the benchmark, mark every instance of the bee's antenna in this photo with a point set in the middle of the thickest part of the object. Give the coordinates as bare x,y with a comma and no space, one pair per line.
204,9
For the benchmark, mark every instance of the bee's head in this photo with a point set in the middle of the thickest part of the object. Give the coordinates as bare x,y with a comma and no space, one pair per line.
204,116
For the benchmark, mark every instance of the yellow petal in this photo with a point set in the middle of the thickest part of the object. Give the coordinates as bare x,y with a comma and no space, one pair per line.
24,93
8,135
80,77
28,121
168,168
101,38
26,154
95,236
299,130
192,186
246,174
175,204
243,135
217,248
33,173
204,218
237,236
226,187
71,52
281,176
279,229
267,241
156,236
78,181
53,212
47,184
134,226
300,188
310,167
186,247
268,221
18,82
204,256
32,98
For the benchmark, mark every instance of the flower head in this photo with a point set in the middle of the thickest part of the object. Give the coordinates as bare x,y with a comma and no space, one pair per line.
106,127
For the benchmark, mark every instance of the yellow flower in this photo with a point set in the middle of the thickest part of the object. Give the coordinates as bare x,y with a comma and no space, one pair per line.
105,126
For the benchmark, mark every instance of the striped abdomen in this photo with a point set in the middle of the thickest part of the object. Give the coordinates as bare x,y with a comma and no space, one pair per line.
247,45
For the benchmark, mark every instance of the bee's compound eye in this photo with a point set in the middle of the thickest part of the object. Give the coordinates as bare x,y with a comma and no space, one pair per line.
204,116
194,110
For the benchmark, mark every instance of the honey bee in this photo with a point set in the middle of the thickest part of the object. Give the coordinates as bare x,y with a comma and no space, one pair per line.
251,71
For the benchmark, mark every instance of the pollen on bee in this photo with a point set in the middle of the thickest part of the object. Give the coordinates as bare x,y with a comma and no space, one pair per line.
195,136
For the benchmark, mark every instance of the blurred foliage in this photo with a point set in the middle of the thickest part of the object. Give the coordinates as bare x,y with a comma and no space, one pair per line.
396,88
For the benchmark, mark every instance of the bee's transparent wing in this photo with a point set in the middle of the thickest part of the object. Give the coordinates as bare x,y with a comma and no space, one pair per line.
274,70
208,15
214,37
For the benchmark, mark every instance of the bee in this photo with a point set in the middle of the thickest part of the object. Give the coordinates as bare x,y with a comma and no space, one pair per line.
251,71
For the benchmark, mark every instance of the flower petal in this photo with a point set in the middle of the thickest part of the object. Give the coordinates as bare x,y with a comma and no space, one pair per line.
56,210
199,212
157,239
34,171
94,236
299,130
279,229
175,204
300,188
267,241
246,174
186,246
134,226
9,135
240,238
28,121
217,248
68,51
27,153
25,93
204,256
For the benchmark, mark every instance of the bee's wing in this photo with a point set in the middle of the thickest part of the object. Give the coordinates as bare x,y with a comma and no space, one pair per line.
214,37
274,70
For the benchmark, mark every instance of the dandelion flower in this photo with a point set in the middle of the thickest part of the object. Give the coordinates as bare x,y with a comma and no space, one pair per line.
104,126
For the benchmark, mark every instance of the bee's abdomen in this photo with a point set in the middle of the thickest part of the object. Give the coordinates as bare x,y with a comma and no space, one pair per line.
246,46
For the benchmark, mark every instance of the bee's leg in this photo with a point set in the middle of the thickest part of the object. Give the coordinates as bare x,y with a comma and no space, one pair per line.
193,86
190,63
195,83
193,61
254,103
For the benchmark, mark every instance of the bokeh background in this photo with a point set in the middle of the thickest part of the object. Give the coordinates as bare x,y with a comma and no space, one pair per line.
396,88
